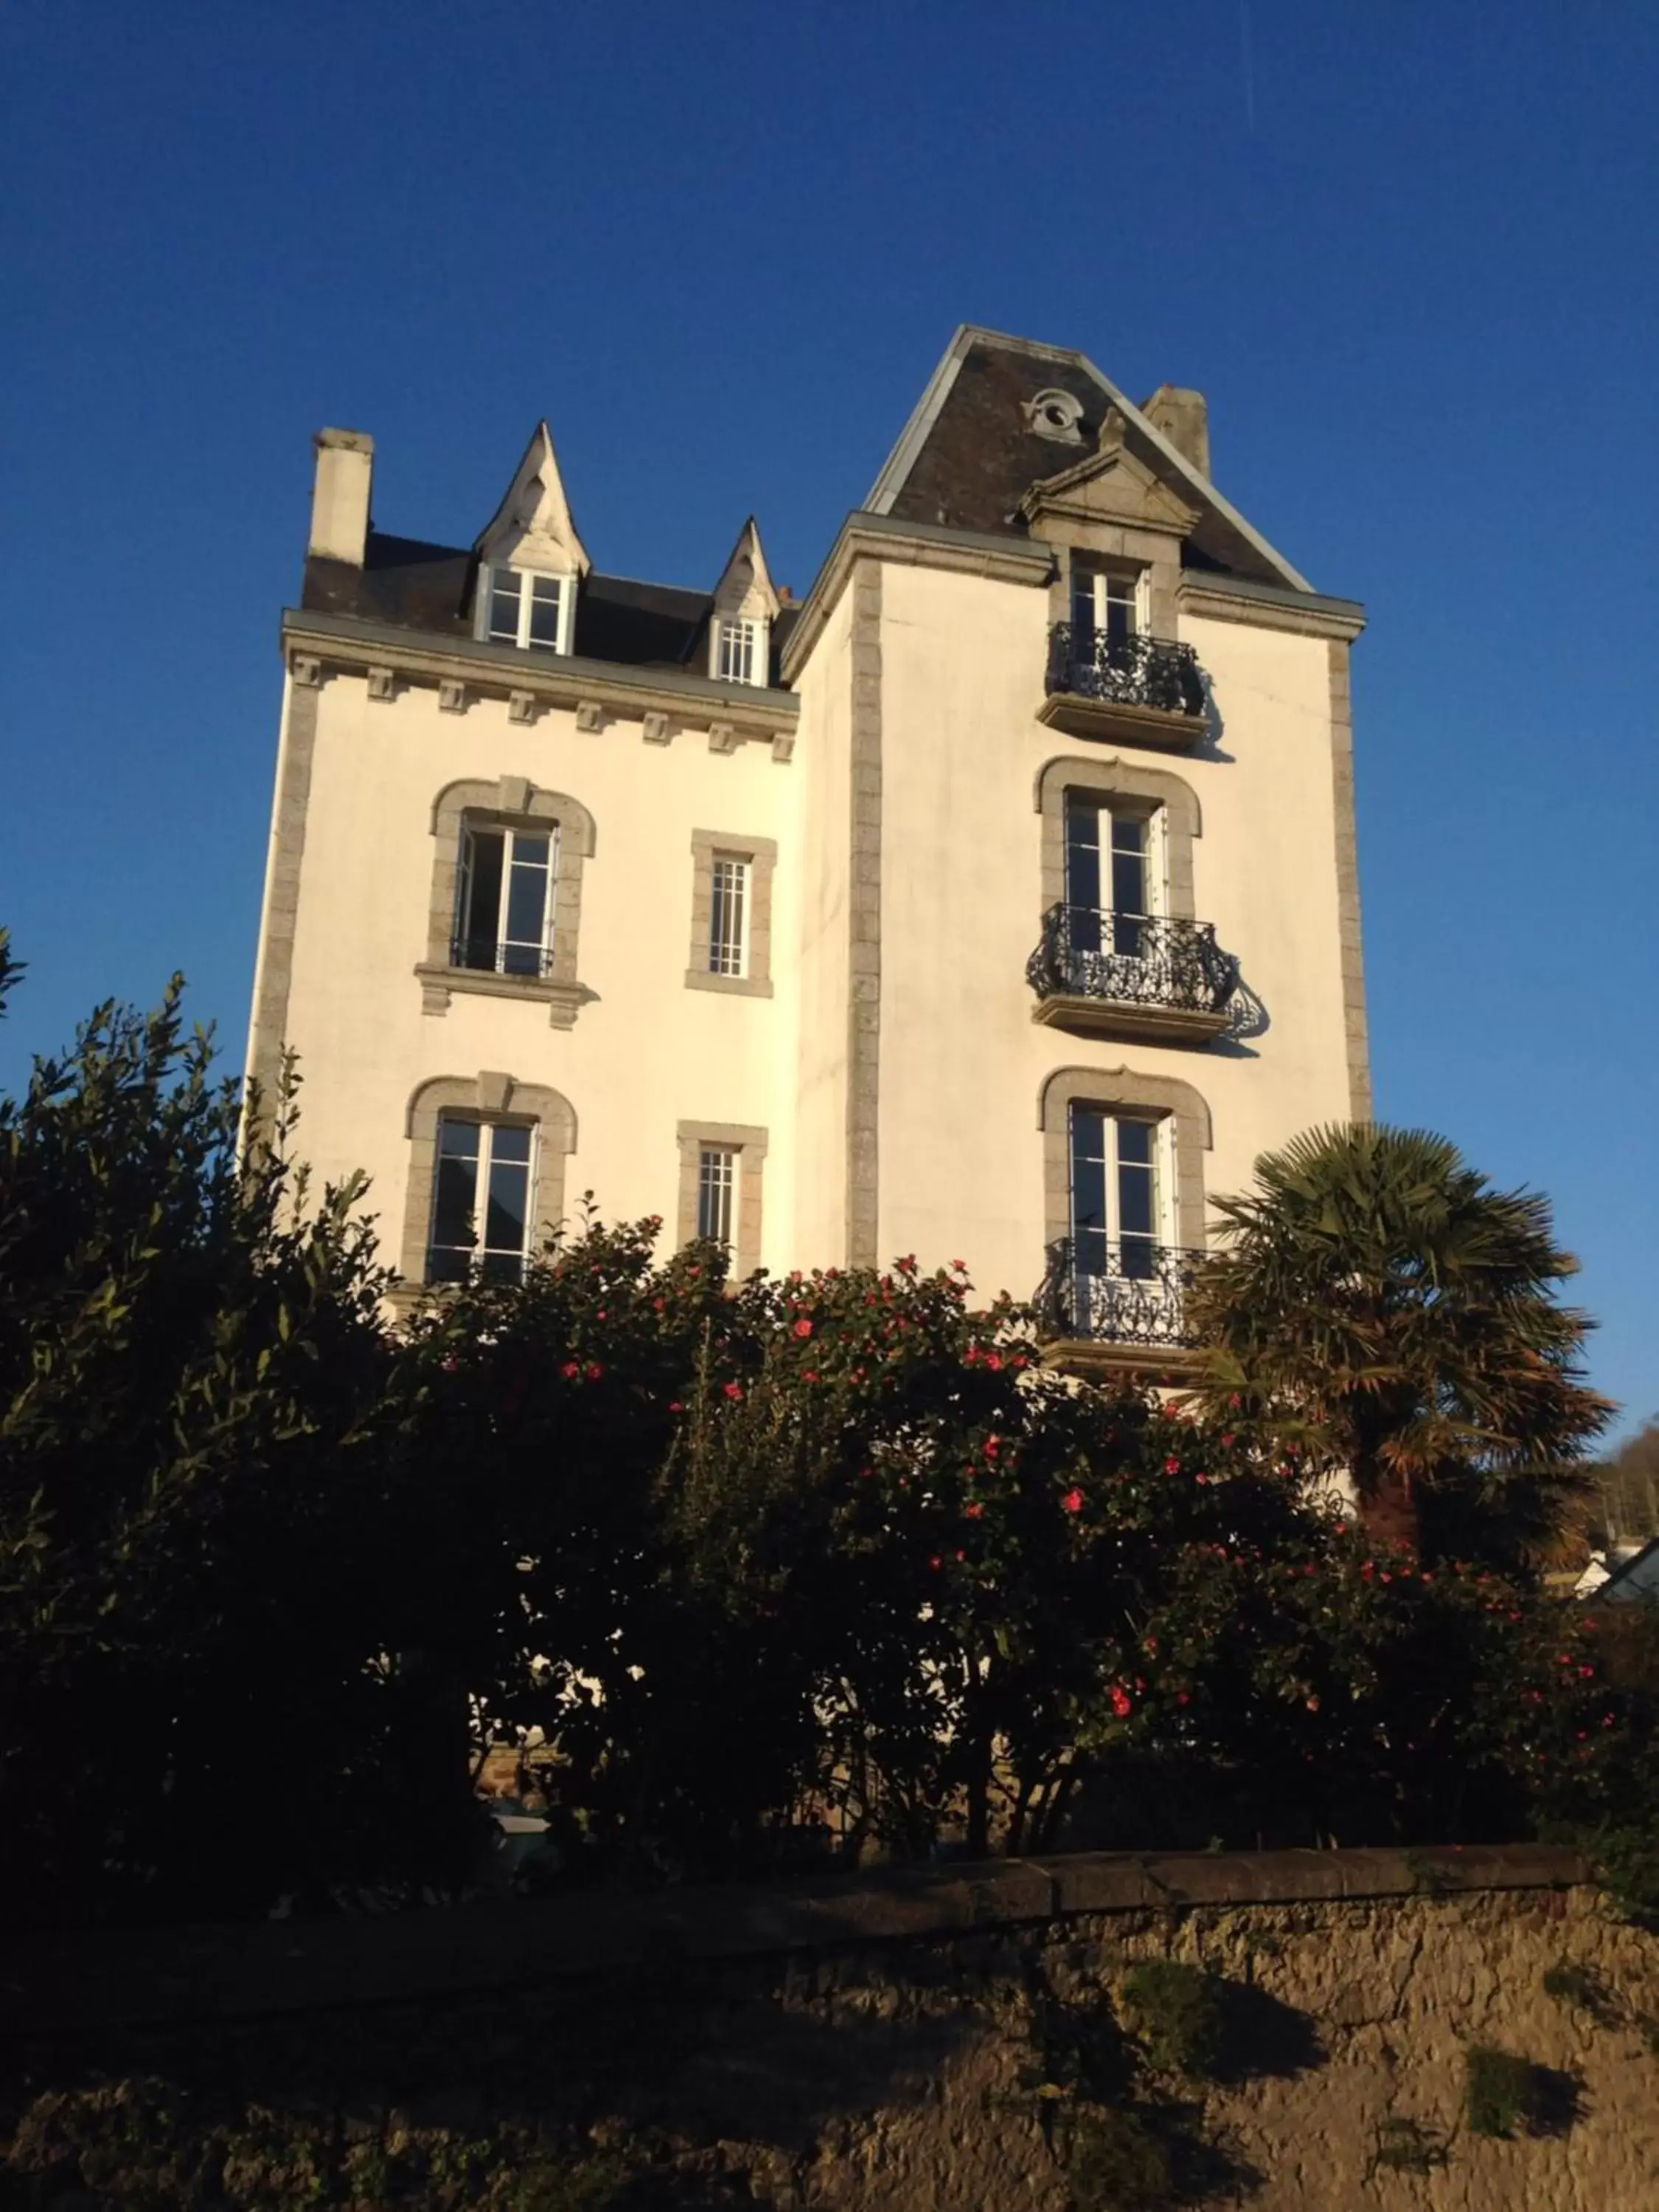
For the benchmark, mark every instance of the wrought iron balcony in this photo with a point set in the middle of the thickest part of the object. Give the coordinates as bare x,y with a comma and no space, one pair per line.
1152,975
1131,1293
1149,690
483,956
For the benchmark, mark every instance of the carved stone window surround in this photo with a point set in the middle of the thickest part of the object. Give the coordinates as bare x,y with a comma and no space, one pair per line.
1117,1088
1110,778
762,854
510,802
489,1095
750,1144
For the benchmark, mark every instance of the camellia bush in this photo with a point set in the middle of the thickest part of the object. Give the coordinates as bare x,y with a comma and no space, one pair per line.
754,1576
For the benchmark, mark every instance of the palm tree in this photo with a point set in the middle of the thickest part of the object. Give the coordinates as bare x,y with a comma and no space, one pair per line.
1376,1305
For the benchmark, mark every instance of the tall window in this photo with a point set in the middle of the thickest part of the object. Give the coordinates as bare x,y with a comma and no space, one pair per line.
728,924
1114,871
504,905
1121,1190
717,1185
742,654
481,1207
1106,607
525,610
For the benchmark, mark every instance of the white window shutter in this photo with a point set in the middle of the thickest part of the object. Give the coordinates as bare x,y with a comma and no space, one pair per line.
1166,1193
1157,861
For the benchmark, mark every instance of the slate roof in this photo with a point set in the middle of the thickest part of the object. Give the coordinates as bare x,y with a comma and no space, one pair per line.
968,455
411,585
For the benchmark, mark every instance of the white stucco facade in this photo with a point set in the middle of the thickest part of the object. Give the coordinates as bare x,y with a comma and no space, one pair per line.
881,1058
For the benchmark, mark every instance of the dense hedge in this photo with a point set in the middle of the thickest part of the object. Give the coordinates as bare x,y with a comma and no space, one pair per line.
828,1564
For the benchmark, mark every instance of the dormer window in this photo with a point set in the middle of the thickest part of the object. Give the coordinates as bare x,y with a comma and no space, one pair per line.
518,608
740,656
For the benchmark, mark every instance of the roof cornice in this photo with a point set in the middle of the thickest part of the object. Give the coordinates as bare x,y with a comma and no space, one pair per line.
348,643
911,545
1267,606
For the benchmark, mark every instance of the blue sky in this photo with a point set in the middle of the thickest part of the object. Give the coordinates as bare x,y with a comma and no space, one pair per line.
1407,249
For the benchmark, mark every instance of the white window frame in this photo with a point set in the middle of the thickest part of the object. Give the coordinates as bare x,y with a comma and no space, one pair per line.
1156,852
1100,587
754,632
487,1132
528,579
1164,1222
718,1169
730,914
509,836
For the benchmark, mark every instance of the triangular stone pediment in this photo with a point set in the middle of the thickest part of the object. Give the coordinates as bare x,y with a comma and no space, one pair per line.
1112,485
745,588
533,528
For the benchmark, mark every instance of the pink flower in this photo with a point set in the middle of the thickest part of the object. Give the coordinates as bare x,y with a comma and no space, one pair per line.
993,1444
593,1371
1313,1704
1172,1466
936,1563
675,1407
570,1370
974,1509
959,1266
1072,1501
733,1389
993,1361
809,1375
803,1328
1122,1704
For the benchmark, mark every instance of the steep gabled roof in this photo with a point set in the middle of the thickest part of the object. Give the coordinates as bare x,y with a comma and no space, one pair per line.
968,454
532,527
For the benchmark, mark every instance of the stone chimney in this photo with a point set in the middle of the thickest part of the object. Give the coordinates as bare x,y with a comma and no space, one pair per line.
1184,419
339,498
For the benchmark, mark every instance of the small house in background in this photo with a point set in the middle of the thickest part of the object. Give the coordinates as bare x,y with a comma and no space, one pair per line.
1634,1575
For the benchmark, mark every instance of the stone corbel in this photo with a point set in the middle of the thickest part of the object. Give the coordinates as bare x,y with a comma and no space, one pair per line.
452,695
783,747
383,683
722,737
520,705
656,731
434,990
307,669
590,715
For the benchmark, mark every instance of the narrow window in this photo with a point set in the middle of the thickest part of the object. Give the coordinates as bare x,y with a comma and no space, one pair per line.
505,899
506,597
728,926
717,1183
481,1202
739,653
1117,1200
546,606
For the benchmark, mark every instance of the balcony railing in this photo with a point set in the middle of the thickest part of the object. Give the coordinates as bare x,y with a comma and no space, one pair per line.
1119,1289
1126,672
484,956
1131,960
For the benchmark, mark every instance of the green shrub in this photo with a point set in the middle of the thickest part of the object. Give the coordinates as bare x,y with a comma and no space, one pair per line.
1119,2164
1581,1987
1498,2091
1175,2010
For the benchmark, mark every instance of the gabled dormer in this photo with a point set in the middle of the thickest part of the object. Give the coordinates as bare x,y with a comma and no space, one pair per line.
530,561
745,605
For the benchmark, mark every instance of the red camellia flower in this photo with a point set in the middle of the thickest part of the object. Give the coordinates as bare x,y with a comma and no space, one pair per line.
1172,1466
974,1509
993,1361
992,1446
733,1389
936,1563
960,1267
570,1370
1313,1704
803,1327
675,1407
1072,1501
593,1371
809,1375
1122,1704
